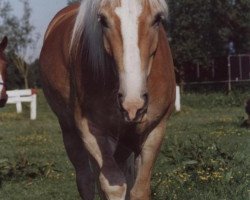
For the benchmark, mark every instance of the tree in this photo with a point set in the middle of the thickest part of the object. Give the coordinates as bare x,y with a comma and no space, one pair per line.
34,76
22,67
27,40
201,30
21,36
19,31
8,24
73,1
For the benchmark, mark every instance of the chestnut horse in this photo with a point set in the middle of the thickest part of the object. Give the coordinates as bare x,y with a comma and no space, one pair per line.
3,71
108,75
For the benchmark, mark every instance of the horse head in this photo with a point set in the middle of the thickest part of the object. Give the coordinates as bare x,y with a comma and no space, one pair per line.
130,35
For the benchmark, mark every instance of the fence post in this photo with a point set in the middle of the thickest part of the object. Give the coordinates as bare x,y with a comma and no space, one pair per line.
178,99
229,73
18,96
19,108
33,107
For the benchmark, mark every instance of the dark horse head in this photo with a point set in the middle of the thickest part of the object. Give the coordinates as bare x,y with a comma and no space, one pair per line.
3,71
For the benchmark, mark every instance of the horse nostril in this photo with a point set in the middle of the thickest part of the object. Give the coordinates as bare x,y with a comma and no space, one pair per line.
133,110
145,98
120,95
143,110
120,100
140,111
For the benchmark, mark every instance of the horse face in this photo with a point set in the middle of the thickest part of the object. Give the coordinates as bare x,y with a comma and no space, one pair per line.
3,64
131,31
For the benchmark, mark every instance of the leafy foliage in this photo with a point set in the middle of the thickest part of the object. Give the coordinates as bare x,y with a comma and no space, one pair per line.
22,38
24,169
73,1
20,32
201,30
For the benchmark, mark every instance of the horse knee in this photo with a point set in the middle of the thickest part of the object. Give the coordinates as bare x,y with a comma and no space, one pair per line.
85,177
140,194
139,197
115,191
85,184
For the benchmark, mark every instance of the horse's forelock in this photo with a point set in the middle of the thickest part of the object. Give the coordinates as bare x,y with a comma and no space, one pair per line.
87,16
159,6
87,9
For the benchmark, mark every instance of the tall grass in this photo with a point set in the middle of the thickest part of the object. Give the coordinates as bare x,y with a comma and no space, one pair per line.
205,154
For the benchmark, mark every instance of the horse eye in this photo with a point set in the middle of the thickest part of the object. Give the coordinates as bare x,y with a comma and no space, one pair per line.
157,20
103,20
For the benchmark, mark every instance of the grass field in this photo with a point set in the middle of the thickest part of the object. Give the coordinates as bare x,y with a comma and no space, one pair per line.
206,155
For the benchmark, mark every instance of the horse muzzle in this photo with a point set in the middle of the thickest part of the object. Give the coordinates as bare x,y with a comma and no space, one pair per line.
133,111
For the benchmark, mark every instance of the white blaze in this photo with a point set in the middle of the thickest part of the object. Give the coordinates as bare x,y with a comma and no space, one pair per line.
1,86
132,78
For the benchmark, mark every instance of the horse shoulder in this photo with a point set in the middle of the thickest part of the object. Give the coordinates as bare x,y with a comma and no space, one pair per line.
162,82
60,17
54,58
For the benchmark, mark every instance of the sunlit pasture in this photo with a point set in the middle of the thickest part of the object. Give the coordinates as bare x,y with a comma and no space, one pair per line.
205,154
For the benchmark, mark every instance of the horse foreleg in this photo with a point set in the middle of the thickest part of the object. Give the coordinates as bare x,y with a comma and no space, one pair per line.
80,160
145,161
112,180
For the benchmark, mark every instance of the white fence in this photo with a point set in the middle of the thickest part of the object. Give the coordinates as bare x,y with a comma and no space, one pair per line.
178,99
19,96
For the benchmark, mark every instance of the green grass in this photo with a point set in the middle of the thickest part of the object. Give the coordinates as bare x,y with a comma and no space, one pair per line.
205,155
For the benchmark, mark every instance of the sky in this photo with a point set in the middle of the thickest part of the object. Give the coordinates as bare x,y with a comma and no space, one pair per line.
42,13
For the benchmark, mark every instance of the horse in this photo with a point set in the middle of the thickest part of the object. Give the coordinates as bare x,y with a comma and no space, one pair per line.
107,73
3,71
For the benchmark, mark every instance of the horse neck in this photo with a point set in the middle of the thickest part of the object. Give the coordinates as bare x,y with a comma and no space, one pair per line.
100,83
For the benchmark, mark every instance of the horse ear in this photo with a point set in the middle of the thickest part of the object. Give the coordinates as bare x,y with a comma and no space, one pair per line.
4,43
